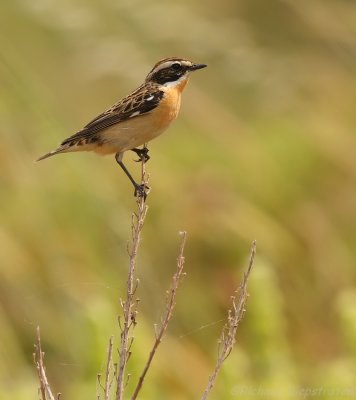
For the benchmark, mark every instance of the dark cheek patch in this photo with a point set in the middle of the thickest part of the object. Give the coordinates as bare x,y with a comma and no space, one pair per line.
167,75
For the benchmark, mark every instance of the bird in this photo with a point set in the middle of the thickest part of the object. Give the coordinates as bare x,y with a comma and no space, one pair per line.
137,118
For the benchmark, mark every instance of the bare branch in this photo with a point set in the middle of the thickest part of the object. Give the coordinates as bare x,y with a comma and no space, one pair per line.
129,305
45,390
170,303
235,314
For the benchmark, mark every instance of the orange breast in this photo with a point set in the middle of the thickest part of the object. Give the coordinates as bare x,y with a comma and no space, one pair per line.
169,106
137,131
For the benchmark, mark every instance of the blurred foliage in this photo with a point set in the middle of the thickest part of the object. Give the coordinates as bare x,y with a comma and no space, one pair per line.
264,148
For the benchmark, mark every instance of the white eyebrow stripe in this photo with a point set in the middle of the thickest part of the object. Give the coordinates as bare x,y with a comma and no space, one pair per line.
168,64
164,65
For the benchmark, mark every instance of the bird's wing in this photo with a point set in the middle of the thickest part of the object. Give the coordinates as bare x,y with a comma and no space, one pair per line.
140,102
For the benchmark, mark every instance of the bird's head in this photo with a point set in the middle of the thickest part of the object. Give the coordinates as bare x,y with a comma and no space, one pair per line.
172,71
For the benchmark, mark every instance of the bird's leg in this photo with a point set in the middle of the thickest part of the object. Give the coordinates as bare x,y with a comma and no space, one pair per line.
142,153
140,190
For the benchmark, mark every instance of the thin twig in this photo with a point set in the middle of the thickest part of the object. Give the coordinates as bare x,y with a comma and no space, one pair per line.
235,314
129,304
108,382
38,356
170,303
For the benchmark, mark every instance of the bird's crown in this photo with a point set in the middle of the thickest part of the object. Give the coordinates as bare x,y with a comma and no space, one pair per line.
171,69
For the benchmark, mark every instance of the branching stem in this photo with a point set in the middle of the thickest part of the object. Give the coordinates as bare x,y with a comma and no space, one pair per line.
235,314
129,305
170,303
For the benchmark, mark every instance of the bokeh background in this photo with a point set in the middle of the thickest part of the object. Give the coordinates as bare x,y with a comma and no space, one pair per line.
264,148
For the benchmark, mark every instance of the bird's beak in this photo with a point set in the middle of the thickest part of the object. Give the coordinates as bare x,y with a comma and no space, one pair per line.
197,66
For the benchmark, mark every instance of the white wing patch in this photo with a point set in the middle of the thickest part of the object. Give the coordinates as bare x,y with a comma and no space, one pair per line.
135,114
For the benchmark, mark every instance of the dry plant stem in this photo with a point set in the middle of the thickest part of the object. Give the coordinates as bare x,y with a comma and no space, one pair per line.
108,383
235,314
130,303
170,303
45,390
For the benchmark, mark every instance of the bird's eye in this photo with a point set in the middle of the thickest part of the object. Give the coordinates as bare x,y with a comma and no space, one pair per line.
176,66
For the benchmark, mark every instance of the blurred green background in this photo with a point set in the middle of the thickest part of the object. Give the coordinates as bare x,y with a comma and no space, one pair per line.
264,148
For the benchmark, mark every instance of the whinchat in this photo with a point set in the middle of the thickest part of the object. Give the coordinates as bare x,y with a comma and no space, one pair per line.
137,118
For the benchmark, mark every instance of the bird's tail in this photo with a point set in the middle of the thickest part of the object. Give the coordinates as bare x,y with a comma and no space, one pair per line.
52,153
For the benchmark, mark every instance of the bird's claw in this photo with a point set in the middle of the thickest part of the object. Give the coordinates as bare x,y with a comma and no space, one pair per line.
140,191
143,154
144,160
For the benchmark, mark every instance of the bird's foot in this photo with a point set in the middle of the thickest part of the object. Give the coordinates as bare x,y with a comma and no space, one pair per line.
142,153
141,191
